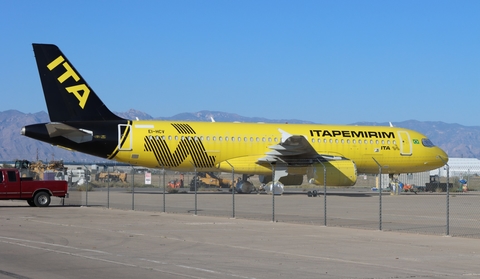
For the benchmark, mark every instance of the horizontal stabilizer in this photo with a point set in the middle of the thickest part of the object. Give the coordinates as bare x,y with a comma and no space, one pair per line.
69,132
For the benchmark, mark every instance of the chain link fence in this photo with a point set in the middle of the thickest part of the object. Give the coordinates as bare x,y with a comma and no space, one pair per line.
438,203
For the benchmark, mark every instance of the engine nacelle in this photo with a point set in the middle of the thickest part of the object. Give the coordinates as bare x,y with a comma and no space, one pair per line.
244,187
339,173
276,189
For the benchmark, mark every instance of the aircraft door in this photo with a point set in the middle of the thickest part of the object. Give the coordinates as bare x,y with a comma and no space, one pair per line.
405,143
125,137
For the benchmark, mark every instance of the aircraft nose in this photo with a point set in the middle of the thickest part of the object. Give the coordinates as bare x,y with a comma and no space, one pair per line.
441,156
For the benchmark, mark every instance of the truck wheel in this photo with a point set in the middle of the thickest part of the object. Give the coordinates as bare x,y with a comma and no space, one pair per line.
41,199
31,203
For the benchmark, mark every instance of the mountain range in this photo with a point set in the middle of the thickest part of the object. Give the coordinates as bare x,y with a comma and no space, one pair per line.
455,139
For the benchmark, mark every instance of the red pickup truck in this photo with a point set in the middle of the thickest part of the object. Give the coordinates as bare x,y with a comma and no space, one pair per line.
35,192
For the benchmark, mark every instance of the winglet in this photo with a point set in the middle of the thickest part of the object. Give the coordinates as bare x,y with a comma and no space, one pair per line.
285,135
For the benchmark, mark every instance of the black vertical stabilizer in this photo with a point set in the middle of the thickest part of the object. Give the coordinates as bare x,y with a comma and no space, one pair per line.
67,94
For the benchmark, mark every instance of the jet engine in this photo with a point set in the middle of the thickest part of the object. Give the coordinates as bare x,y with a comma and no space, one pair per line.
338,172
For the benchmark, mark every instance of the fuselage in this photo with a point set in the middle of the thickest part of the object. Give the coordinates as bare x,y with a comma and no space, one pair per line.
221,146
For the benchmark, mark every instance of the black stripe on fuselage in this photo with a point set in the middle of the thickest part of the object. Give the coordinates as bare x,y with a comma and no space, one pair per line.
183,128
186,146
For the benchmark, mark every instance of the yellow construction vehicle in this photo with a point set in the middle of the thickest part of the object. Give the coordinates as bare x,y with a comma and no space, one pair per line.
55,170
111,176
209,180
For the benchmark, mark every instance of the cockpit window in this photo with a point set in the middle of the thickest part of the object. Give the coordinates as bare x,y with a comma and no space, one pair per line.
427,143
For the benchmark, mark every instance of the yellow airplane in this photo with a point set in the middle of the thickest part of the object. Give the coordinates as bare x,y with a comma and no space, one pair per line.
80,121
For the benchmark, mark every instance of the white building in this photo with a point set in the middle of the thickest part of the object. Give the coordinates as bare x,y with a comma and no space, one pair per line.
459,167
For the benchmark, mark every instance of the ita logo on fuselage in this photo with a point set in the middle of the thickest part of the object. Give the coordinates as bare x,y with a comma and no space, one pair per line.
81,90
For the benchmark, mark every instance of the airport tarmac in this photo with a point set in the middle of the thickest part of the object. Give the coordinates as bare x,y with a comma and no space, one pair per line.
95,242
356,208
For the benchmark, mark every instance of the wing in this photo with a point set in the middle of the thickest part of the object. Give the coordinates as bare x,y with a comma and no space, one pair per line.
294,150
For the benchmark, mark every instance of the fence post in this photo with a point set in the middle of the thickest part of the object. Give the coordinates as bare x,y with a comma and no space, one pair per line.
448,200
379,194
273,191
195,183
164,208
447,229
133,188
108,187
233,190
324,193
86,179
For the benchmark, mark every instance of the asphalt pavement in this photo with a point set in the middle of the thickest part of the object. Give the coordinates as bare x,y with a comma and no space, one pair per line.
95,242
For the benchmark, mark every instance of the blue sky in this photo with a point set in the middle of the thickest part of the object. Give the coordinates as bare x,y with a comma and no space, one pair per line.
335,62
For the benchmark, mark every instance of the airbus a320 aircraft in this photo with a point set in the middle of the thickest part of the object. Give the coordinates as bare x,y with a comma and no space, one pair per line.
80,121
